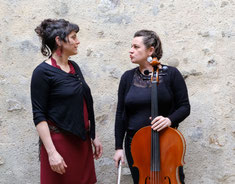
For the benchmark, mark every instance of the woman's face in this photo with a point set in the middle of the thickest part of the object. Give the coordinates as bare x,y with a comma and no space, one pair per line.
70,47
138,51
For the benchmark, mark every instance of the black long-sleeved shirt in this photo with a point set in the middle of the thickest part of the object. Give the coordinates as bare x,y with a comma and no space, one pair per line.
174,105
58,96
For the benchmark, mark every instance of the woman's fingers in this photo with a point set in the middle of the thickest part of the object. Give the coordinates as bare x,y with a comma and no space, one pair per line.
118,156
53,168
160,126
98,152
157,119
122,160
65,165
159,123
98,149
57,163
116,163
60,168
117,159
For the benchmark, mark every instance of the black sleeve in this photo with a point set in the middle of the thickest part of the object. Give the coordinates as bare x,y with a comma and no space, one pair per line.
181,100
39,95
120,127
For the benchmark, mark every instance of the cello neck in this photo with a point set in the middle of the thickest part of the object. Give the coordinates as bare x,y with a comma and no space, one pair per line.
154,99
155,146
154,93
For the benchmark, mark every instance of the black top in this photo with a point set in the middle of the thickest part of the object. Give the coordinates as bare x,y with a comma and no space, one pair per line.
138,107
134,101
58,96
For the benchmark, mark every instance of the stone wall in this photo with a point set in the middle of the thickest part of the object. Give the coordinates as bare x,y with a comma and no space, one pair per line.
198,38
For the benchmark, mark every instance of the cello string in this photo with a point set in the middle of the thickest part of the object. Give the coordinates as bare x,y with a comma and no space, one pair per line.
153,157
154,140
154,150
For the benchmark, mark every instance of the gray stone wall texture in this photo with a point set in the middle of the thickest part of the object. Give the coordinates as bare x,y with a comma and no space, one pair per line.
198,38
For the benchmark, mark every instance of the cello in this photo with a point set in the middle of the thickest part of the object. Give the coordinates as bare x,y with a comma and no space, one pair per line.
158,155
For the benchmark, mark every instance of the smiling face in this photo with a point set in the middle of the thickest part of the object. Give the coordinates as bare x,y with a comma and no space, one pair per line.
138,51
70,47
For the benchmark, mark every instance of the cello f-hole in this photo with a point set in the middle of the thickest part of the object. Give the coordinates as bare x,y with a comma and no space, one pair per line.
167,177
146,179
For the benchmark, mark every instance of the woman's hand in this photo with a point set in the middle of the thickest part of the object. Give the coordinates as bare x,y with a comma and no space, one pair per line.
119,155
57,163
160,122
98,149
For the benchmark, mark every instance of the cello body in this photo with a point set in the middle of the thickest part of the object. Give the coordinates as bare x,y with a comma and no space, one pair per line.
172,150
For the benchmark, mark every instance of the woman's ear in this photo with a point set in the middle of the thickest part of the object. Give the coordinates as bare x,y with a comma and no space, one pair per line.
58,41
151,50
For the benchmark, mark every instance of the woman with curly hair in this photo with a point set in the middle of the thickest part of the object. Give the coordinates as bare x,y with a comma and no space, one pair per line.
63,109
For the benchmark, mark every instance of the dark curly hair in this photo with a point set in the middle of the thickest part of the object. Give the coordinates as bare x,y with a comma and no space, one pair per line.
49,29
150,38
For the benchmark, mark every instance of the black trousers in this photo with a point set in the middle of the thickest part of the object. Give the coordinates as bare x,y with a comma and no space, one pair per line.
134,170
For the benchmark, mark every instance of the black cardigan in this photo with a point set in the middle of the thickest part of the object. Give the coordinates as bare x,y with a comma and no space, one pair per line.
58,96
177,88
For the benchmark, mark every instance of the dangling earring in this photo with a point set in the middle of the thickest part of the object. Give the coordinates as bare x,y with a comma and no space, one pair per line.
149,59
59,51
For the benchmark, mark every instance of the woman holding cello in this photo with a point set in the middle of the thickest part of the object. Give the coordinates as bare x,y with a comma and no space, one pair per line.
134,100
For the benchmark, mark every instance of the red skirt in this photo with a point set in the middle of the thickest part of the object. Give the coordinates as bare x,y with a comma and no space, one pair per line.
78,156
